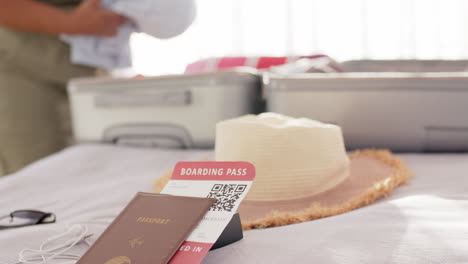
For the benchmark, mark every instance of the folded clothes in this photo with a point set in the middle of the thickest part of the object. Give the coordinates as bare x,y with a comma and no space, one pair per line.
158,18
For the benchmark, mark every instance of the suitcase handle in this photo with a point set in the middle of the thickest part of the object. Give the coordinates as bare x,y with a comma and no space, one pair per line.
149,135
168,98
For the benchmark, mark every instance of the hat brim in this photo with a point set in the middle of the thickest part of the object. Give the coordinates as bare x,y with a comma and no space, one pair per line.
373,174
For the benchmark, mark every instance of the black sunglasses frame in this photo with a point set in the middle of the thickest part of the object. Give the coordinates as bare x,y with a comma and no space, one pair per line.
37,221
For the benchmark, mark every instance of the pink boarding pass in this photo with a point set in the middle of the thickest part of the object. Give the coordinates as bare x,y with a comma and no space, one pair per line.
228,182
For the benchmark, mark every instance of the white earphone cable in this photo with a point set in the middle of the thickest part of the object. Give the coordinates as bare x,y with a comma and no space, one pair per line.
76,233
45,253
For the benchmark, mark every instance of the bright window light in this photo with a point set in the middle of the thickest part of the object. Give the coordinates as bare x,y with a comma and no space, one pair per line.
342,29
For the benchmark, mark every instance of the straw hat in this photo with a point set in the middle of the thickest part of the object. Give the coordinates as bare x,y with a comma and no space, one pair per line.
303,170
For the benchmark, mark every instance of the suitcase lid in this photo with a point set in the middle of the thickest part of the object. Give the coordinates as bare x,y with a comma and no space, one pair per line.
405,65
206,79
368,81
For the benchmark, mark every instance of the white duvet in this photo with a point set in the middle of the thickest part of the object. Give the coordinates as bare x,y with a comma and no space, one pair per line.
423,222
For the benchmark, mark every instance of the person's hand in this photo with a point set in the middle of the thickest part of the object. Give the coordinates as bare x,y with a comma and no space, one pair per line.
91,19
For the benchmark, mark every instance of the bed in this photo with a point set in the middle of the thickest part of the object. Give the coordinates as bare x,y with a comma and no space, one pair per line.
423,222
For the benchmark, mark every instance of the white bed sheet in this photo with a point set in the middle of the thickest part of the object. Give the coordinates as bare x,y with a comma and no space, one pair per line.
424,222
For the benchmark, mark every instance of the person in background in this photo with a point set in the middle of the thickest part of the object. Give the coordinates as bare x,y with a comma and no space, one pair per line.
35,68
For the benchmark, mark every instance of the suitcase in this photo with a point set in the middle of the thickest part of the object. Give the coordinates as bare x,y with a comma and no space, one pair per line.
404,112
178,111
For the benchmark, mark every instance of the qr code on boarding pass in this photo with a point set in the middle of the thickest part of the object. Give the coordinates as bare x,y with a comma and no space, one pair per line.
226,196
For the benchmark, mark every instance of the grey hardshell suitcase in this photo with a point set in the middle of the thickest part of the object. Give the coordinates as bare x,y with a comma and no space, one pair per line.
178,111
407,112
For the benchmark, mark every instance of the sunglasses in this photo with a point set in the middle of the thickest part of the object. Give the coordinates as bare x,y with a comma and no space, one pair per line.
22,218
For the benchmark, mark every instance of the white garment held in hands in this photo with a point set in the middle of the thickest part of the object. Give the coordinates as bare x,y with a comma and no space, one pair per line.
158,18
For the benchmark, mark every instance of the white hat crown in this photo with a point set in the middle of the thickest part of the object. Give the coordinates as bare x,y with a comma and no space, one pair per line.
294,158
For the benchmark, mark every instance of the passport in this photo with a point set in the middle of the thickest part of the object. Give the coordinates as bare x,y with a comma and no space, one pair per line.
150,229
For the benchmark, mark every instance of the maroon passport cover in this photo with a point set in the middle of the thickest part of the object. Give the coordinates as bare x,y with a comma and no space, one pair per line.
149,230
